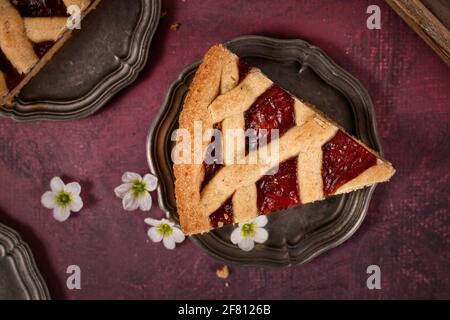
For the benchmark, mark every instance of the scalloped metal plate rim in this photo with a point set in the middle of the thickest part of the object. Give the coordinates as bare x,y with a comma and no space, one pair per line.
12,246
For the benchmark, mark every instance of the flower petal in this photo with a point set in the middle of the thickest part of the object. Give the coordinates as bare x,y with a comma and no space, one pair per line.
48,200
169,242
246,244
74,188
121,190
178,235
154,235
261,221
130,202
61,214
129,177
145,202
261,235
151,182
56,184
236,236
152,222
77,204
170,223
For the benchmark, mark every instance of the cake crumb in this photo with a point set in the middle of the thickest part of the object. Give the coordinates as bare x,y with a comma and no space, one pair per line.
175,26
223,273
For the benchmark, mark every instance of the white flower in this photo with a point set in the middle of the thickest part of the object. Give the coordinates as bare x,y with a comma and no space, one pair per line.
246,234
135,191
166,231
62,199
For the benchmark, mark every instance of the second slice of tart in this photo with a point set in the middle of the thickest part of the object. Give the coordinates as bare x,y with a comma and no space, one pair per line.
31,32
316,158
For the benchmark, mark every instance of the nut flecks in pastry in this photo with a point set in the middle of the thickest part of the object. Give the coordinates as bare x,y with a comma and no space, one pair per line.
223,215
343,160
280,190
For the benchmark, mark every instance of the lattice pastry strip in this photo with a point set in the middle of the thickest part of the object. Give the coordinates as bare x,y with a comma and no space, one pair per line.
44,29
13,39
316,157
245,198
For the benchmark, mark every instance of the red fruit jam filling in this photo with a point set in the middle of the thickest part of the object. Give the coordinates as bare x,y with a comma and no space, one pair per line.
274,109
223,215
40,8
210,172
42,48
212,168
279,191
244,69
343,160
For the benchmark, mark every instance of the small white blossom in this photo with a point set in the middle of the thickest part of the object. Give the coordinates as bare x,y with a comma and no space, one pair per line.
165,231
135,191
246,234
62,199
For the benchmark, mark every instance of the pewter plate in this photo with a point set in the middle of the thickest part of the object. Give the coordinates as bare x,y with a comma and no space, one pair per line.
101,59
19,276
299,234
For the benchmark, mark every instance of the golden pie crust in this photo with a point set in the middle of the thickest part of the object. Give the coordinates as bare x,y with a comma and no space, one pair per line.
217,96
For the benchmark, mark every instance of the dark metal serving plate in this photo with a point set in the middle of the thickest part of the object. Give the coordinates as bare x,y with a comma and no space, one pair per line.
19,277
101,59
301,233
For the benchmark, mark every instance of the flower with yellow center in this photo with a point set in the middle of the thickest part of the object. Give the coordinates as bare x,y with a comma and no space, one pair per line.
246,234
135,191
62,199
165,231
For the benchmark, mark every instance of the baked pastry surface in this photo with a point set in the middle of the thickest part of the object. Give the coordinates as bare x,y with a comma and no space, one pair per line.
31,32
316,158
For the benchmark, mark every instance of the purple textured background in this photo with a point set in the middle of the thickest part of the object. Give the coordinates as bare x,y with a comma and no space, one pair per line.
406,232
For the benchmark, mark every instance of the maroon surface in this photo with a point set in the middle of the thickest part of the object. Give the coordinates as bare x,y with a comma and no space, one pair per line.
406,232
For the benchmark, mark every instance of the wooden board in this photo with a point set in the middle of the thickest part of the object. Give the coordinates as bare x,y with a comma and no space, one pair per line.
430,19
